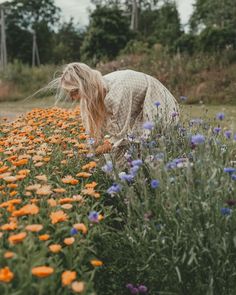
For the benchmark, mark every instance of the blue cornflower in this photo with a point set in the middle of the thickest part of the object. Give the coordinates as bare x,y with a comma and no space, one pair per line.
198,139
93,216
220,116
233,176
155,183
73,231
148,125
115,188
126,177
228,134
229,170
217,130
225,211
137,162
107,168
142,289
157,104
134,170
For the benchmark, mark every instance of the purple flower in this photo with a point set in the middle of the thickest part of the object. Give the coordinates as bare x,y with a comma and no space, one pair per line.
228,134
198,139
174,114
142,289
129,286
148,125
220,116
73,231
134,170
107,168
126,177
225,211
229,170
137,162
115,188
233,176
217,130
155,183
93,216
157,104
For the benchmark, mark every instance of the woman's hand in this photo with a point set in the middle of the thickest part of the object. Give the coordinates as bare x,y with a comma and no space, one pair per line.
104,148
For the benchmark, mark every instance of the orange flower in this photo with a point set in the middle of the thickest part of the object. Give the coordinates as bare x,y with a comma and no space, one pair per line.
42,271
9,226
91,192
6,275
44,190
10,202
81,227
3,169
68,277
91,185
58,216
59,190
41,177
69,180
66,206
44,237
10,179
66,200
78,287
20,162
95,262
15,239
83,174
34,227
12,185
55,248
69,241
29,209
8,254
90,165
52,202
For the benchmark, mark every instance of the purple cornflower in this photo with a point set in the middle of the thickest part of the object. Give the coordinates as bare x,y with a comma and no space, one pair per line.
157,104
115,188
220,116
217,130
233,176
73,231
155,183
225,211
228,134
137,162
142,289
229,170
93,216
198,139
126,177
107,168
134,290
148,125
129,286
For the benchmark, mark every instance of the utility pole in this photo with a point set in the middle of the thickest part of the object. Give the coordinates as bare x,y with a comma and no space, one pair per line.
134,16
3,47
35,51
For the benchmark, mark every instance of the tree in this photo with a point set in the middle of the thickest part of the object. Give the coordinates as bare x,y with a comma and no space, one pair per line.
24,16
107,33
67,42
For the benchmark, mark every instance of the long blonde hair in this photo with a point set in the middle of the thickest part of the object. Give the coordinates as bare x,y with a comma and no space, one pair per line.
91,89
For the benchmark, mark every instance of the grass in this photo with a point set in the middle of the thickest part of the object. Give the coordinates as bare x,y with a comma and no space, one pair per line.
128,234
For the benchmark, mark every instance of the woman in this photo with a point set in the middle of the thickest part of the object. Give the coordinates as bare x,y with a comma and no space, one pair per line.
116,104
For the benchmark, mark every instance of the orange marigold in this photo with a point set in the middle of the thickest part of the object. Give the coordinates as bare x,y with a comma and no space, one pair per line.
69,241
68,277
95,262
15,239
58,216
6,275
42,271
29,209
55,248
78,287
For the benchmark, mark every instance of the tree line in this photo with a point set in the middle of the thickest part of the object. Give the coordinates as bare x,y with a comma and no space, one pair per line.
115,26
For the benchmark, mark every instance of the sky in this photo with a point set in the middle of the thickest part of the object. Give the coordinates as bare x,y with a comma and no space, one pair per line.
78,9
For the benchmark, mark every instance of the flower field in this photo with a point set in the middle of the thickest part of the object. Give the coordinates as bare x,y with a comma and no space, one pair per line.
71,223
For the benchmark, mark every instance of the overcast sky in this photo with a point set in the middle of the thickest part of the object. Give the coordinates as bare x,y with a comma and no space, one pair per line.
78,9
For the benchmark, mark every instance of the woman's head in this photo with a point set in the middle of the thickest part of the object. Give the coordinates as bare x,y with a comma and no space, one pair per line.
82,83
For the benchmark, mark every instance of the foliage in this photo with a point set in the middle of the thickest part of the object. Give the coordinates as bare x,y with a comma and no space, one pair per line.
107,34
